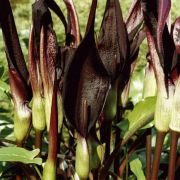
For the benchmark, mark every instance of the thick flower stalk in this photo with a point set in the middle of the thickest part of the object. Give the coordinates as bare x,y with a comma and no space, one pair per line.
50,167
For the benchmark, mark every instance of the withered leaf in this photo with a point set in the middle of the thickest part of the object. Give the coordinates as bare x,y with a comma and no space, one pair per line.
113,40
86,82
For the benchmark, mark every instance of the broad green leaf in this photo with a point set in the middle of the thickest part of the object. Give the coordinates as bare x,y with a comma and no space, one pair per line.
136,167
141,115
18,154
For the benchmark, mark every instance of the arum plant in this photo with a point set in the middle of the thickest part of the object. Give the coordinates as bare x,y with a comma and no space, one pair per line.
85,89
38,103
93,76
45,60
127,44
174,123
162,59
18,74
112,47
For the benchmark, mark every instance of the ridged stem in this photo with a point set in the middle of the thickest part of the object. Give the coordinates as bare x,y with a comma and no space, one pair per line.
38,139
172,155
148,154
49,172
157,154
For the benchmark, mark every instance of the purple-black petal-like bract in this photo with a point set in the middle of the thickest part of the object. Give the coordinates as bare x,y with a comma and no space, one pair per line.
85,80
113,40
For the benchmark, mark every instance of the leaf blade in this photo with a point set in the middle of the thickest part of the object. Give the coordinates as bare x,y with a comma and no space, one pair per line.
137,119
18,154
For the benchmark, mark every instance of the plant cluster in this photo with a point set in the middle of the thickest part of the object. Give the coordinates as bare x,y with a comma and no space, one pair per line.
77,94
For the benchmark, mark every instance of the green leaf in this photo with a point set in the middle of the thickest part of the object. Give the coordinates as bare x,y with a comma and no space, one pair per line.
136,167
1,71
4,86
18,154
141,115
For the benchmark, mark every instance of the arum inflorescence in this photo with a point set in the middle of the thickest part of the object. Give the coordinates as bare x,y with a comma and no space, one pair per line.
165,61
84,85
18,74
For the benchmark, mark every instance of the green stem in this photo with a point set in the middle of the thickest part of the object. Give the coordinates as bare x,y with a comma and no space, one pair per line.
38,172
